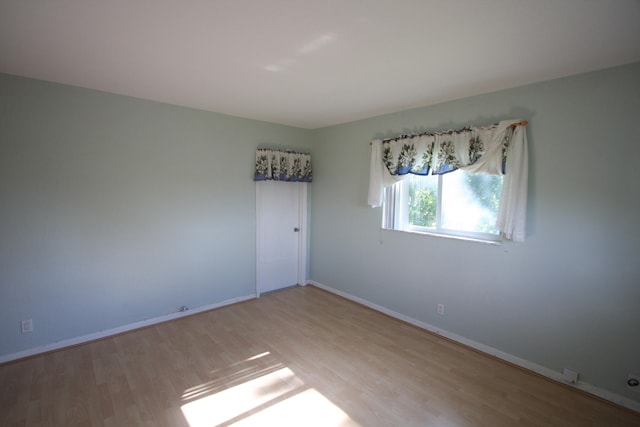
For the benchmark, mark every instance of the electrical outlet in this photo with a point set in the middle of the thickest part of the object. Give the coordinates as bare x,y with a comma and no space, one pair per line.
440,309
26,326
633,382
569,376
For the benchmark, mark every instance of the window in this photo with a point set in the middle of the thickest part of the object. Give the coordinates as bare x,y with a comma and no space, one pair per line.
466,204
455,204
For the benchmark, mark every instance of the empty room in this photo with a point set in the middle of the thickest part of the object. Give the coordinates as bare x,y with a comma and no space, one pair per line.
326,213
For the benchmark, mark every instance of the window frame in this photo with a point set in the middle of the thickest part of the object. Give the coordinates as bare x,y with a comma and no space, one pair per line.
395,215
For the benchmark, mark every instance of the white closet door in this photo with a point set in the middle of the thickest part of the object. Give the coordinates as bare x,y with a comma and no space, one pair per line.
279,234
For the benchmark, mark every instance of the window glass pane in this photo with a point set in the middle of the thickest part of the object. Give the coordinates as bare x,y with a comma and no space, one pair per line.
423,200
470,201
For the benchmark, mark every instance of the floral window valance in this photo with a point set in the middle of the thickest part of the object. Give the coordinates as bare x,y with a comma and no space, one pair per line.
500,149
444,152
280,165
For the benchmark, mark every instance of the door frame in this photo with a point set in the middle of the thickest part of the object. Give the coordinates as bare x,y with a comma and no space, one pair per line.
302,234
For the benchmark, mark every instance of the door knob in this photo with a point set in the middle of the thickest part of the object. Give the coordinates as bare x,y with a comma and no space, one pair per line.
296,229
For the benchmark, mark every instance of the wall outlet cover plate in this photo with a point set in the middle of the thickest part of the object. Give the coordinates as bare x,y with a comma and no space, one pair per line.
569,376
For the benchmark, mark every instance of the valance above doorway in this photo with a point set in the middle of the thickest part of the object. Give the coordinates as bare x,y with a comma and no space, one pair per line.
279,165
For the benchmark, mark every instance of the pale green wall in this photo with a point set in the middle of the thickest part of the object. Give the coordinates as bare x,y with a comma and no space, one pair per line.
115,210
567,297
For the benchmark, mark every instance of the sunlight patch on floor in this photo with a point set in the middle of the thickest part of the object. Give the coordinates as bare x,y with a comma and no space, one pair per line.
308,408
227,404
275,397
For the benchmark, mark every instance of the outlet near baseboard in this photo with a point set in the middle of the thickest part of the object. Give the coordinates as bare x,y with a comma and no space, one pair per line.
26,326
569,376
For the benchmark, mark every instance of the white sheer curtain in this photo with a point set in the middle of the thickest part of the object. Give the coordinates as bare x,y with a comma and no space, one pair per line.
496,150
512,214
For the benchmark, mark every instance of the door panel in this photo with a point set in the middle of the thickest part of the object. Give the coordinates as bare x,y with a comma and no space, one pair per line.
278,243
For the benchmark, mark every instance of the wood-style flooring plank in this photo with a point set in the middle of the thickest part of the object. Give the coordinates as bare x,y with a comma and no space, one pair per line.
300,356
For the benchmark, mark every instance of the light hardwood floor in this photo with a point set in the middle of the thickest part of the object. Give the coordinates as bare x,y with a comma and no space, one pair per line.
299,357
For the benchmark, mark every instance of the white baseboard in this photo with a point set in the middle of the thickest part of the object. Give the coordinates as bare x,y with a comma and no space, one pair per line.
549,373
115,331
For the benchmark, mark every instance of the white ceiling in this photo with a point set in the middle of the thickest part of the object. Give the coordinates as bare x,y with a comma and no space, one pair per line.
312,63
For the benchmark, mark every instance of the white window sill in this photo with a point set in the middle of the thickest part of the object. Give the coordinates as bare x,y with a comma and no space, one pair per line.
497,242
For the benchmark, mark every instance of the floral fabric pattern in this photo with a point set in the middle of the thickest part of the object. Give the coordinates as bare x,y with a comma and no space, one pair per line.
280,165
476,147
442,152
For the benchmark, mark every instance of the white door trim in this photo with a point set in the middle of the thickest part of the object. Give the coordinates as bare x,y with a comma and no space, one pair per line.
302,234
